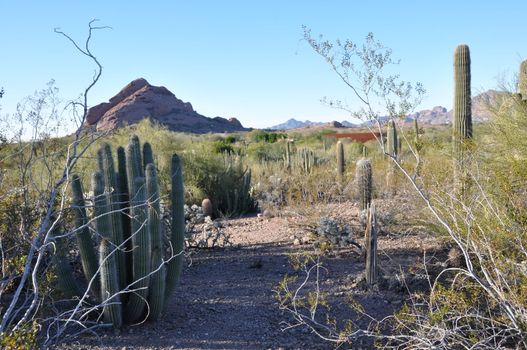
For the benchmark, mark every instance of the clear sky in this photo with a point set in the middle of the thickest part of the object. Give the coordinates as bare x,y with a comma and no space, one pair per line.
246,59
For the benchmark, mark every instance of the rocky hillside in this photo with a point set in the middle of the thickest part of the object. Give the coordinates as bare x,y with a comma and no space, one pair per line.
139,100
438,115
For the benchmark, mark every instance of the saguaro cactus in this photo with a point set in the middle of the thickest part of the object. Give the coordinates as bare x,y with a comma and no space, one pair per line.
522,80
392,143
340,159
371,246
288,154
462,123
363,178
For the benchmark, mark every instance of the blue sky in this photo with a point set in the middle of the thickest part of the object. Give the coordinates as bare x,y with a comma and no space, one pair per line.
246,59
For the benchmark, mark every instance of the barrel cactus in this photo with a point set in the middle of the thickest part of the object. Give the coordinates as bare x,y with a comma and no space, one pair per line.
132,278
363,178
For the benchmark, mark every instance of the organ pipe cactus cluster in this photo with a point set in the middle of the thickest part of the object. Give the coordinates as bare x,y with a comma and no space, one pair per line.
307,160
363,178
462,123
130,277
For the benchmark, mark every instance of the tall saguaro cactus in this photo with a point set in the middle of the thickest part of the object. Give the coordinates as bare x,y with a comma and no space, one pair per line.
462,123
371,246
392,144
522,80
340,159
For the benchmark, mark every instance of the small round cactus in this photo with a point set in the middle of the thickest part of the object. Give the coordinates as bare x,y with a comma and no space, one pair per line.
206,207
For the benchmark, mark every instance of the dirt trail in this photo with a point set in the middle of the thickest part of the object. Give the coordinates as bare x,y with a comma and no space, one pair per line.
226,298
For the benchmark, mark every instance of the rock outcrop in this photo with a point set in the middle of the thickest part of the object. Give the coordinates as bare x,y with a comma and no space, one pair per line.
139,100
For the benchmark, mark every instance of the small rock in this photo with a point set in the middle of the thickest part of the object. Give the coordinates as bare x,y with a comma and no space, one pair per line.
306,239
267,213
296,241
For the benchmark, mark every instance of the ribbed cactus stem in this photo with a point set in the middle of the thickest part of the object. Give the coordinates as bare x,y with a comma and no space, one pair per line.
141,251
136,145
110,296
156,295
133,163
522,80
340,159
122,185
111,187
392,143
363,177
177,238
148,155
66,282
371,246
288,154
462,123
84,241
101,207
416,131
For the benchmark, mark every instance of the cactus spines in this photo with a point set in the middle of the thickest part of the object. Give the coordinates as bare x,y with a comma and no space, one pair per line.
177,238
363,178
110,296
206,207
84,241
141,250
371,246
156,295
392,143
340,159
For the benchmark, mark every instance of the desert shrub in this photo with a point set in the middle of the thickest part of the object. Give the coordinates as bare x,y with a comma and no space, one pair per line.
220,177
264,136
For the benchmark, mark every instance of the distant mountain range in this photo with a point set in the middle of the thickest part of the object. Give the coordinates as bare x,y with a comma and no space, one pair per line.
438,115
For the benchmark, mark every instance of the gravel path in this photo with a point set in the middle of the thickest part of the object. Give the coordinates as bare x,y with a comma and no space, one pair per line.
226,298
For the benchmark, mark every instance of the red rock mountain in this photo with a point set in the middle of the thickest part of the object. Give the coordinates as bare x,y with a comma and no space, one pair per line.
139,100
